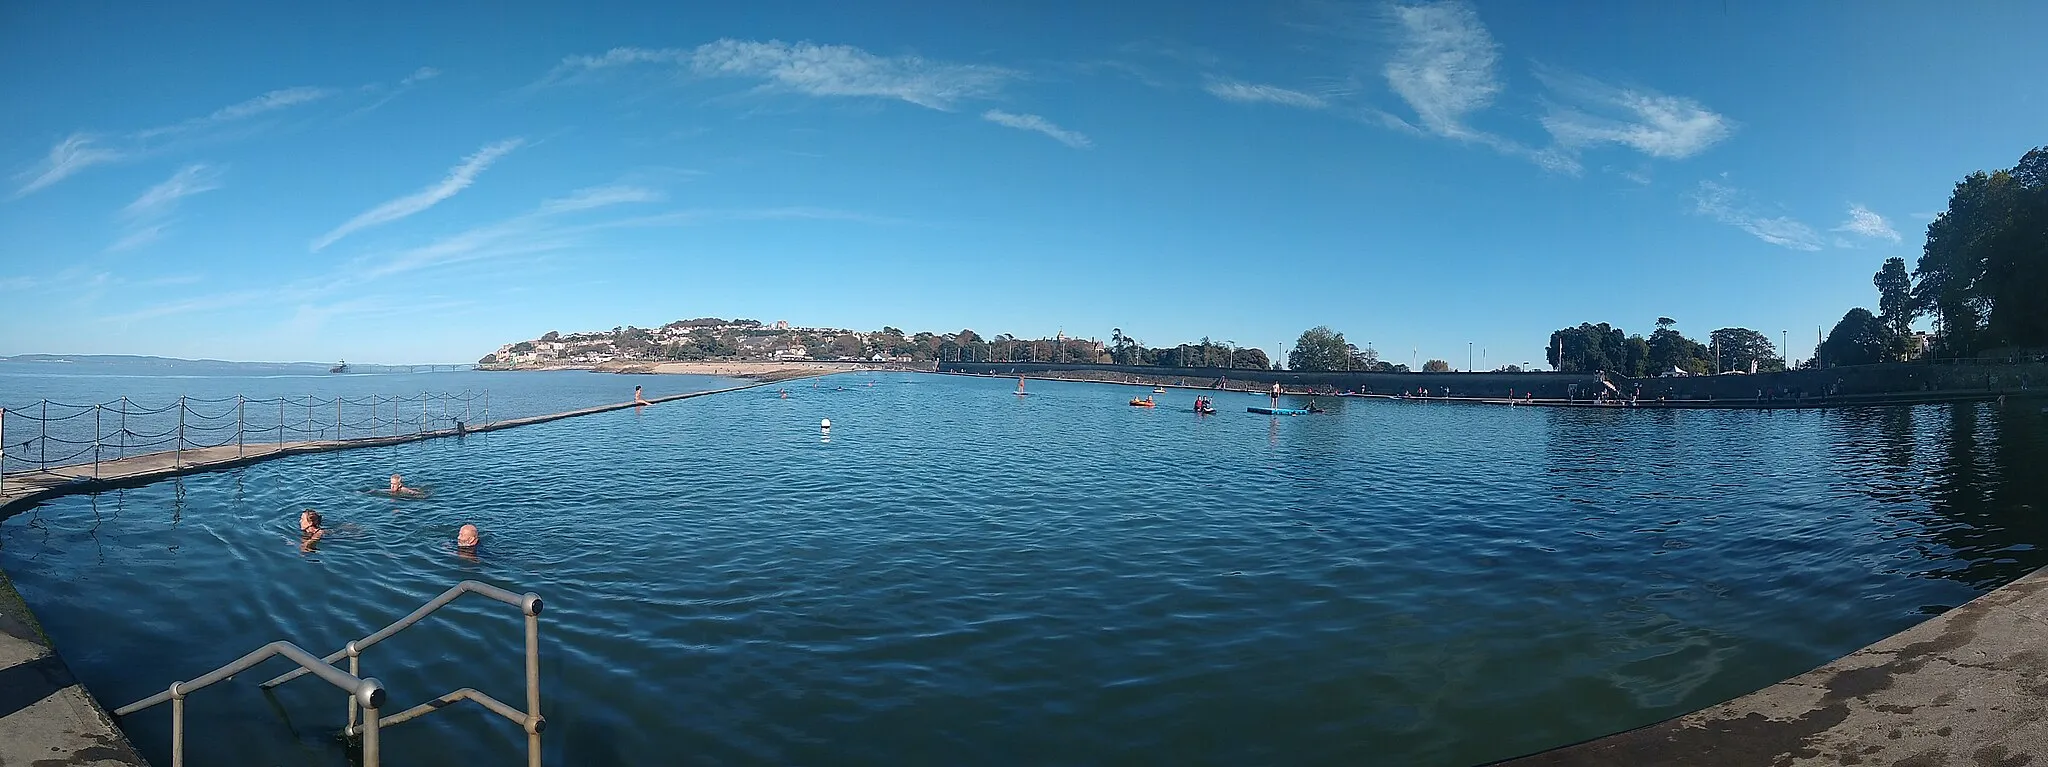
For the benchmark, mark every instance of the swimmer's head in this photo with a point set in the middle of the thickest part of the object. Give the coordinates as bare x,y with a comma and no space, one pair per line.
466,537
396,483
309,519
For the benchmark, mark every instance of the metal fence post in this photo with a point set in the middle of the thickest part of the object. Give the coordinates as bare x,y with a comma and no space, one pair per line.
337,417
373,415
354,670
178,459
3,449
280,422
177,724
487,407
532,611
95,441
423,412
372,755
122,450
241,422
44,455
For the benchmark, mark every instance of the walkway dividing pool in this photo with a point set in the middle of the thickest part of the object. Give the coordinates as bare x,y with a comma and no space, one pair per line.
46,717
20,488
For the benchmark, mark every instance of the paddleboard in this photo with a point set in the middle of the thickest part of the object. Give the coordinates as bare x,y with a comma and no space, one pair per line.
1276,411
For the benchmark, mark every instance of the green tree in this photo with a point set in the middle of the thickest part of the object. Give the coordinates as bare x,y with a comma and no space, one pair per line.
550,337
1588,348
1319,348
1859,339
1739,347
1251,357
1983,273
1895,306
1436,366
1665,323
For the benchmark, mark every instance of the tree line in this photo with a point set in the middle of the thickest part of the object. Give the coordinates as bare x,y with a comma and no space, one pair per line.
1982,277
1594,347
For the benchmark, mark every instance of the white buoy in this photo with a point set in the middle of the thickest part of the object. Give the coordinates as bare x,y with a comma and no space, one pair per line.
825,424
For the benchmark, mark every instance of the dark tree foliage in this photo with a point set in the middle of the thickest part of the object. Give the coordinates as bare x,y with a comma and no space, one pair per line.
1739,347
1859,339
1436,366
1983,273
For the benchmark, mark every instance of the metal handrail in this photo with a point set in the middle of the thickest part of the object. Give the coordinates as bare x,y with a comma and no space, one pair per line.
530,720
368,693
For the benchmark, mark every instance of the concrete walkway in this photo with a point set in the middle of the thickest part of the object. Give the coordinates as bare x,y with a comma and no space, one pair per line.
1968,687
18,489
46,718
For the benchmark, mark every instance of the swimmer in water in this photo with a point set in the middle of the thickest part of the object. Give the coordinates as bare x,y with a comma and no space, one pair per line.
399,490
310,531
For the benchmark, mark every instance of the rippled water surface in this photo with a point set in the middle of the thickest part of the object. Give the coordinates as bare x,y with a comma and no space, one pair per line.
958,575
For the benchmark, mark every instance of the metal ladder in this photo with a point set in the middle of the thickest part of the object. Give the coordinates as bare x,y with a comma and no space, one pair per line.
367,694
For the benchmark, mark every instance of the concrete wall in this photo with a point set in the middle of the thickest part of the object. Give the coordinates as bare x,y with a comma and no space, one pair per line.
1859,379
1544,385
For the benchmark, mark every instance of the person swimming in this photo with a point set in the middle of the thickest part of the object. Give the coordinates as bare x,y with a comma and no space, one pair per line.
399,490
310,530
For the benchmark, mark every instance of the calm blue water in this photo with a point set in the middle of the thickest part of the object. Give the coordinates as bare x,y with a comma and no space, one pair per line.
956,575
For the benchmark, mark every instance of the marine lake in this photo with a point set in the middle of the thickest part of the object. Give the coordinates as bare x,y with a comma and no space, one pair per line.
954,574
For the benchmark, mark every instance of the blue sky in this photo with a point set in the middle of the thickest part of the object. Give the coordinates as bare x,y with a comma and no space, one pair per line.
416,182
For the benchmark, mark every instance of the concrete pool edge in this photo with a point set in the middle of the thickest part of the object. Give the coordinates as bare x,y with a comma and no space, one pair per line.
1970,683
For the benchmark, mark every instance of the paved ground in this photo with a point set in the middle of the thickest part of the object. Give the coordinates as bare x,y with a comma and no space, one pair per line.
1968,687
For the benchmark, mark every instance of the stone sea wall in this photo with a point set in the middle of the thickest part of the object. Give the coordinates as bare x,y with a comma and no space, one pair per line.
1892,378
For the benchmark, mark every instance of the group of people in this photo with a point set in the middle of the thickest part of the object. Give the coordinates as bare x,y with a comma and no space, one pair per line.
312,527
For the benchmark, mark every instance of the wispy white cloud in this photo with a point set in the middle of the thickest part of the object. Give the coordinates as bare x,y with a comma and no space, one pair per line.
75,153
1443,65
1039,125
810,69
268,102
419,75
601,196
163,198
138,236
150,215
1865,222
1583,112
1249,93
458,179
83,150
1726,205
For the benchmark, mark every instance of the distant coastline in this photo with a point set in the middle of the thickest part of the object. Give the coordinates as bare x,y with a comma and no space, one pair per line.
758,370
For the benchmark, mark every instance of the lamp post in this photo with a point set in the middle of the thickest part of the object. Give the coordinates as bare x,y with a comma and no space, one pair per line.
1785,347
1468,356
